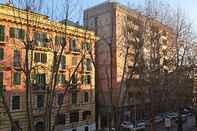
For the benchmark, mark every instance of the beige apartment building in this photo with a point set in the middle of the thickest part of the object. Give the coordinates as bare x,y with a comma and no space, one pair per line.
110,21
78,106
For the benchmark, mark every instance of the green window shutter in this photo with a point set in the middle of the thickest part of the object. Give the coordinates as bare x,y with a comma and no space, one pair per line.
22,34
85,79
15,102
1,53
2,33
17,78
16,58
1,84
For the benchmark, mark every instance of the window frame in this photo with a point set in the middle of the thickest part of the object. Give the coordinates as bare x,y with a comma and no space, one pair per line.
12,103
16,78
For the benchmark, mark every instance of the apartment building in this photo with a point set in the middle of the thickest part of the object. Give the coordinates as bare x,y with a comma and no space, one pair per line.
111,21
78,106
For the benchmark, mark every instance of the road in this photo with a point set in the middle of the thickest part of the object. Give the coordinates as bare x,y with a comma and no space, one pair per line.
187,126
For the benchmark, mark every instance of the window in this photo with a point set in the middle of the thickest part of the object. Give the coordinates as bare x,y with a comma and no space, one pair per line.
74,117
86,115
41,39
16,78
2,33
74,79
61,79
40,101
40,57
59,40
40,79
86,46
86,128
74,98
1,84
74,61
86,79
86,96
16,102
60,99
63,62
1,78
73,45
17,33
16,61
1,53
87,65
60,119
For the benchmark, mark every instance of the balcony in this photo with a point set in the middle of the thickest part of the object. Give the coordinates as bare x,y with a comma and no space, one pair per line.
75,50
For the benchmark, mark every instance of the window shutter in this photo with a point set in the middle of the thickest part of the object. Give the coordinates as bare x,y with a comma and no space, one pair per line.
17,78
22,34
1,53
2,33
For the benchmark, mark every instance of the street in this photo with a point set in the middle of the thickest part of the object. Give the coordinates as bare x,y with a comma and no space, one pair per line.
187,126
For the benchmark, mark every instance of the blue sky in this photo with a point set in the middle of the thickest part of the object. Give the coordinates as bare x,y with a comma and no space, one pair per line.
189,7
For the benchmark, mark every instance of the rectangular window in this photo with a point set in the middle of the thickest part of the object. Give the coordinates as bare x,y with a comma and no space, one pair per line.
40,57
61,79
60,99
2,33
41,39
74,61
16,102
40,79
74,80
17,78
63,62
1,78
59,40
74,98
17,33
86,46
86,128
40,101
17,57
1,84
87,65
1,53
86,79
86,96
86,115
74,117
73,45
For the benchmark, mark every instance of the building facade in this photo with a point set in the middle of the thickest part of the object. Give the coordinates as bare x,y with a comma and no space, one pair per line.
112,23
18,26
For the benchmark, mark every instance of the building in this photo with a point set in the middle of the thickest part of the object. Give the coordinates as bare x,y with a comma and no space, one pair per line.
110,21
78,106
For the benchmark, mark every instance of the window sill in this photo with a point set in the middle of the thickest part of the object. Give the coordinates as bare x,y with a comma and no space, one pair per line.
3,42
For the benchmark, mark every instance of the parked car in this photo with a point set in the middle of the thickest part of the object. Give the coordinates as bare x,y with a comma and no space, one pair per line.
172,115
158,119
127,126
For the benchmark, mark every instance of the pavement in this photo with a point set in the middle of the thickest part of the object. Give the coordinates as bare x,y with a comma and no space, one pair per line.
187,126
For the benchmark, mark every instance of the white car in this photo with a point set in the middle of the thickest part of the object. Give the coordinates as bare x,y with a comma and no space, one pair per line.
126,124
129,126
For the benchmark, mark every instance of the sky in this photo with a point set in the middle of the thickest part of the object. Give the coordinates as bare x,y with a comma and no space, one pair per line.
188,6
